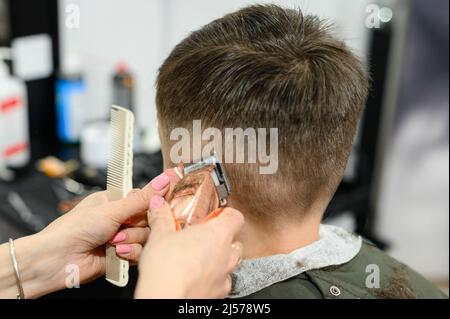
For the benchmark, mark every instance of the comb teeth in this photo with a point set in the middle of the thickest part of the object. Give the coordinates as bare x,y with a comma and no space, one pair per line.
120,165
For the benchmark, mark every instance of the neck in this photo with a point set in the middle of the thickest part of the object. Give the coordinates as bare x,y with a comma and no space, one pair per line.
281,237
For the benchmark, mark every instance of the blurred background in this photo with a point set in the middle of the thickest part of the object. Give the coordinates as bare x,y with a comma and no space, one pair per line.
64,62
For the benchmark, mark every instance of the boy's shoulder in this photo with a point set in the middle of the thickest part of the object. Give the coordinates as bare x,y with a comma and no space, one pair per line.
370,274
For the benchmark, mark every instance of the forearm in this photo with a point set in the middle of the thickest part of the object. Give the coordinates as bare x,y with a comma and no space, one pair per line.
38,268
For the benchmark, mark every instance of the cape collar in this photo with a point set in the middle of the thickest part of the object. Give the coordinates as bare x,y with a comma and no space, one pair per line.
335,246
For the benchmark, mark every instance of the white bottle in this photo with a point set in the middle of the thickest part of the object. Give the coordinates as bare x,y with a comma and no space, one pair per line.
14,137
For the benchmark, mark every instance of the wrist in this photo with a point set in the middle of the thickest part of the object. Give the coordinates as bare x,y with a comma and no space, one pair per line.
40,265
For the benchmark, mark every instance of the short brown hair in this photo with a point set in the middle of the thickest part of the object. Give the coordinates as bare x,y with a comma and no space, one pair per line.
265,66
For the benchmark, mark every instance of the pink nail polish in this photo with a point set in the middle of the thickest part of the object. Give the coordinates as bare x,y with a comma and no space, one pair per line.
156,202
160,181
120,236
123,249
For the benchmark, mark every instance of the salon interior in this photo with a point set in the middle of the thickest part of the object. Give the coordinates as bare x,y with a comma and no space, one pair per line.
63,63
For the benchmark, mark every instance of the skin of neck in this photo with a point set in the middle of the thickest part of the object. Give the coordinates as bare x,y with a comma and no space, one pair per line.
279,235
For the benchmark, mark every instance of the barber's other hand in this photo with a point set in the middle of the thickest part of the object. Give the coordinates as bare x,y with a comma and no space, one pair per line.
193,263
78,238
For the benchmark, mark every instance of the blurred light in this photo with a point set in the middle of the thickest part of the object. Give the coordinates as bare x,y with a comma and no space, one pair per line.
385,14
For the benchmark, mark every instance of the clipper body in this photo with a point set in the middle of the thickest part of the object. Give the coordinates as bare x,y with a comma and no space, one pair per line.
201,193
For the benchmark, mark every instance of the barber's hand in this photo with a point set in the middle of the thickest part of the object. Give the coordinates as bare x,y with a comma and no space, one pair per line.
192,263
78,239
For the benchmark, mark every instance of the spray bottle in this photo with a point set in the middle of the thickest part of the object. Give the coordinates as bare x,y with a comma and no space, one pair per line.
14,136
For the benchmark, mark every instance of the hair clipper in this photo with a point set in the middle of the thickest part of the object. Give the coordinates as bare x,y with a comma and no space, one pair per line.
201,193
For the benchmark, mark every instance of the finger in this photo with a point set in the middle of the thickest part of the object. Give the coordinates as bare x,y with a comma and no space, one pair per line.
168,180
173,180
137,200
131,252
228,223
133,235
236,253
160,217
139,220
174,177
228,286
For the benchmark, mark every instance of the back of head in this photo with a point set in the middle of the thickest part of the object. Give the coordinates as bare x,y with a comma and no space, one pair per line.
269,67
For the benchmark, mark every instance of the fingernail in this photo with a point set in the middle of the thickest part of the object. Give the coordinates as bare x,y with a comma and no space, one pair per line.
123,249
160,181
156,202
120,236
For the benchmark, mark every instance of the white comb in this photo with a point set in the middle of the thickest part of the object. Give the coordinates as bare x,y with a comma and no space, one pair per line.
119,182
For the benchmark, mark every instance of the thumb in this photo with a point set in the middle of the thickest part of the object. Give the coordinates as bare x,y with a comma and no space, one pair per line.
160,218
134,204
228,224
137,200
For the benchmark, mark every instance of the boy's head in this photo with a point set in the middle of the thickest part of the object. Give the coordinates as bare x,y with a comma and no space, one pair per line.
269,67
